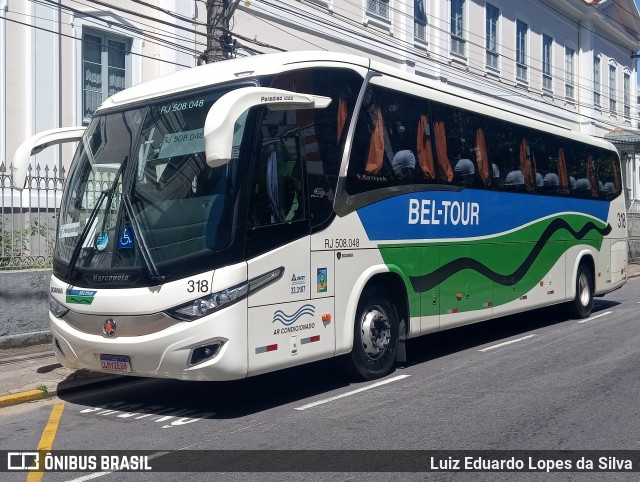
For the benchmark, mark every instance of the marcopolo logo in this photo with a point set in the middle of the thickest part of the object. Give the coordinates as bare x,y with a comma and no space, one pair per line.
109,278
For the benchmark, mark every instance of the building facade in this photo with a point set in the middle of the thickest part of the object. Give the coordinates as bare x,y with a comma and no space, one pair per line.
60,59
569,62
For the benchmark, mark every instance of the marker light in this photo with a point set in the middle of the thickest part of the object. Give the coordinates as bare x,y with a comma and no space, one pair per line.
208,304
56,308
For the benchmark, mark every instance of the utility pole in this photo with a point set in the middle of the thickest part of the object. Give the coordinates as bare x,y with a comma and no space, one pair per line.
220,44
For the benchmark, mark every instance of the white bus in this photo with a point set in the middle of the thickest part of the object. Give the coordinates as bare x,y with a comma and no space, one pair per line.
271,211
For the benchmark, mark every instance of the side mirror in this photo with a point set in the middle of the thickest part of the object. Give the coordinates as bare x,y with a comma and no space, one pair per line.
221,119
36,143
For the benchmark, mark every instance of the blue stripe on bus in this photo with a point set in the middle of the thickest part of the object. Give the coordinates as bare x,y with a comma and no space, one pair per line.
465,214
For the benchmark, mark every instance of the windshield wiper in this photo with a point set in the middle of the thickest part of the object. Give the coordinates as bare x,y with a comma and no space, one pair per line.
85,232
92,217
137,233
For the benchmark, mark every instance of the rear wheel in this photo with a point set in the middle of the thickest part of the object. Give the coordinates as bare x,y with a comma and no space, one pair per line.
375,337
582,304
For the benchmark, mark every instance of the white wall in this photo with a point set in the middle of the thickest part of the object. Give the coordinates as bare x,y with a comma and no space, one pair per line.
44,81
3,152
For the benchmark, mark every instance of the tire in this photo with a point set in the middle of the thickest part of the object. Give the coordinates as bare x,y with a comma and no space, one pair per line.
582,305
375,336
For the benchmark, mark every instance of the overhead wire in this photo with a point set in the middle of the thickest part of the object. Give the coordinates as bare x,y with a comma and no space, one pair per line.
479,80
532,65
135,32
148,35
405,47
76,38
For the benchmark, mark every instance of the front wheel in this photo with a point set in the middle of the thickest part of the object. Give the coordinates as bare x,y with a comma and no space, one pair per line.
375,337
582,304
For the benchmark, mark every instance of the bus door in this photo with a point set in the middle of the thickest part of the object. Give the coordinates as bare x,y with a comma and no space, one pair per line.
285,319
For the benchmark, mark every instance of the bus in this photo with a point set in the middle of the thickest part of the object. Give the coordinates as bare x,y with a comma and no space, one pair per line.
266,212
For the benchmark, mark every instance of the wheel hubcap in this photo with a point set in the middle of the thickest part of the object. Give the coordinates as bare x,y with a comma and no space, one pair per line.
584,289
376,332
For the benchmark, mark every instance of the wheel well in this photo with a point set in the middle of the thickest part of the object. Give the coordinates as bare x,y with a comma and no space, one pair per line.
587,260
393,284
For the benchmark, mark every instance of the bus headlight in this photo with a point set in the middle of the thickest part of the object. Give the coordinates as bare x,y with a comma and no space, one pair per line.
56,308
208,304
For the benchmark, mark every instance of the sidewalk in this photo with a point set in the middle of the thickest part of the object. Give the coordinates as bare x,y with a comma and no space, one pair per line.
33,373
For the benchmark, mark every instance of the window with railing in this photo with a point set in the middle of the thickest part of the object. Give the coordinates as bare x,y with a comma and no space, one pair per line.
105,61
626,86
492,36
521,50
378,8
419,20
596,81
569,85
547,79
612,88
457,27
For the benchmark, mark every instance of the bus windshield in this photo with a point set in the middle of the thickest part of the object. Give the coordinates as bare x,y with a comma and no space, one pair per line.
182,209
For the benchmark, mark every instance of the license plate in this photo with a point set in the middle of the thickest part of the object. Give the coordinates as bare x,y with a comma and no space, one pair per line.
115,363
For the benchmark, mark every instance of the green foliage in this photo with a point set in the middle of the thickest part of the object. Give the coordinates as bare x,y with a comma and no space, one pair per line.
14,245
44,389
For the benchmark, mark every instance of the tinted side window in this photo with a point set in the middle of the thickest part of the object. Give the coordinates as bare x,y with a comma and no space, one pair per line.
462,146
321,133
512,157
608,174
277,187
393,143
549,164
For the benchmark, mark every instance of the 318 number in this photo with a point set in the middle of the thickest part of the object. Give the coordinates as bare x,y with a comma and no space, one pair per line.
199,286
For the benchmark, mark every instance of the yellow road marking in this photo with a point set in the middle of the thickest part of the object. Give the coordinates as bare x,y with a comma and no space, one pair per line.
46,440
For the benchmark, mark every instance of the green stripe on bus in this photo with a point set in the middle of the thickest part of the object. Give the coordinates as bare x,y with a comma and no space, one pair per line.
495,270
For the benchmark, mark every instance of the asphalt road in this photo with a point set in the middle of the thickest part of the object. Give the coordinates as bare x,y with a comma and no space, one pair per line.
559,384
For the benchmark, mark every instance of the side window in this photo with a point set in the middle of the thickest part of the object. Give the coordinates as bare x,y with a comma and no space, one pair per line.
548,163
583,177
615,173
371,151
322,133
607,173
513,165
277,186
393,144
462,147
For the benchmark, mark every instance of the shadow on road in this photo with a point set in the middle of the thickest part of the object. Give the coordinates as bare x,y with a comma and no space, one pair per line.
142,397
430,347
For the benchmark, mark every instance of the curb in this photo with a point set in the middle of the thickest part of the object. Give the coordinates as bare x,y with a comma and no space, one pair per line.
22,340
21,397
34,395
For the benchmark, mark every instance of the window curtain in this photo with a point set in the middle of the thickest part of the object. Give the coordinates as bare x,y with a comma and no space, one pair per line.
525,165
441,151
482,158
562,171
616,176
376,146
425,149
591,175
342,118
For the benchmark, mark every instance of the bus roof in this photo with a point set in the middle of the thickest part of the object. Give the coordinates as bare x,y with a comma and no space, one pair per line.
267,64
226,71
